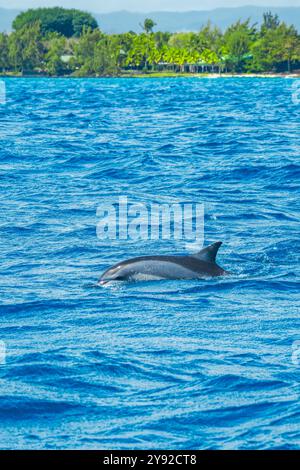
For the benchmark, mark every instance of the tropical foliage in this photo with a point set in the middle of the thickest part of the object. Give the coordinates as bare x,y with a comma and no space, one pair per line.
58,42
60,20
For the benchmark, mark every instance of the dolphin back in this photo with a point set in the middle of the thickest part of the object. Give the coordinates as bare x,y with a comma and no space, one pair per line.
196,266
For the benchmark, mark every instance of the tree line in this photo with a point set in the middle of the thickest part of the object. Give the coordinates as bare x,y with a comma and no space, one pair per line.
59,42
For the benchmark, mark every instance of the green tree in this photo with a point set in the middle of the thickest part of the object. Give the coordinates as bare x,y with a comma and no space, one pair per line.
60,20
142,46
270,21
148,25
238,40
56,45
125,43
4,51
278,47
210,58
181,41
84,51
81,21
96,54
107,57
161,38
25,48
209,37
290,46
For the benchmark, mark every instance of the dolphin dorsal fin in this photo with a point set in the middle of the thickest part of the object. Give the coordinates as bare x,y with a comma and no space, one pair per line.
208,253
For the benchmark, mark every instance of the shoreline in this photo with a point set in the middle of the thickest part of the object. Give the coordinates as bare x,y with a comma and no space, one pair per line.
160,75
215,75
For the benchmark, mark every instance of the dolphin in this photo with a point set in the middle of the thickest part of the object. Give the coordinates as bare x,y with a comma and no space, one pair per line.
146,268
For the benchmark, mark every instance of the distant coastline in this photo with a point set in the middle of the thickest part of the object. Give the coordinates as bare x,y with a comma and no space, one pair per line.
62,42
160,75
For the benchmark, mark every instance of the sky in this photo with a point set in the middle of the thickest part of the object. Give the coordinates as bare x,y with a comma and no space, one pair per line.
101,6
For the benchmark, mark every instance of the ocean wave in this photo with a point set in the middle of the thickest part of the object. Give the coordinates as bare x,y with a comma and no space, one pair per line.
172,364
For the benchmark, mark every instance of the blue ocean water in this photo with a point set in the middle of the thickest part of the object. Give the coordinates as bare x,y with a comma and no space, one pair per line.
211,364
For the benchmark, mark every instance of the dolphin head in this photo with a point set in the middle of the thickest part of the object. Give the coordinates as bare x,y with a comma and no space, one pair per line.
115,273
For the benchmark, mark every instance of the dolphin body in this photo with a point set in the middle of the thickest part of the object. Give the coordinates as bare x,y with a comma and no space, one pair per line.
146,268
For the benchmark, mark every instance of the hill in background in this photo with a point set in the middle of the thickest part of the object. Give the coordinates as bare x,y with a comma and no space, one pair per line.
123,21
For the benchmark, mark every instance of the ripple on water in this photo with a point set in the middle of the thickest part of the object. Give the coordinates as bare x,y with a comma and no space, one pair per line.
210,364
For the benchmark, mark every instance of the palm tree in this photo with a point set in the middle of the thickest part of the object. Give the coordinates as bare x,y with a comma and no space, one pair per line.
148,25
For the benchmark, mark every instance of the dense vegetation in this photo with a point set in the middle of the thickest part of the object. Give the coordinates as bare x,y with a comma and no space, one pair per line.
56,20
53,45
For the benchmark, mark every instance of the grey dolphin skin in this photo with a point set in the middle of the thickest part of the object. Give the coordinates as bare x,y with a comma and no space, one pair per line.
145,268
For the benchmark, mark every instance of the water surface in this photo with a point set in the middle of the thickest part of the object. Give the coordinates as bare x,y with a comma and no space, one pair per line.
181,365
